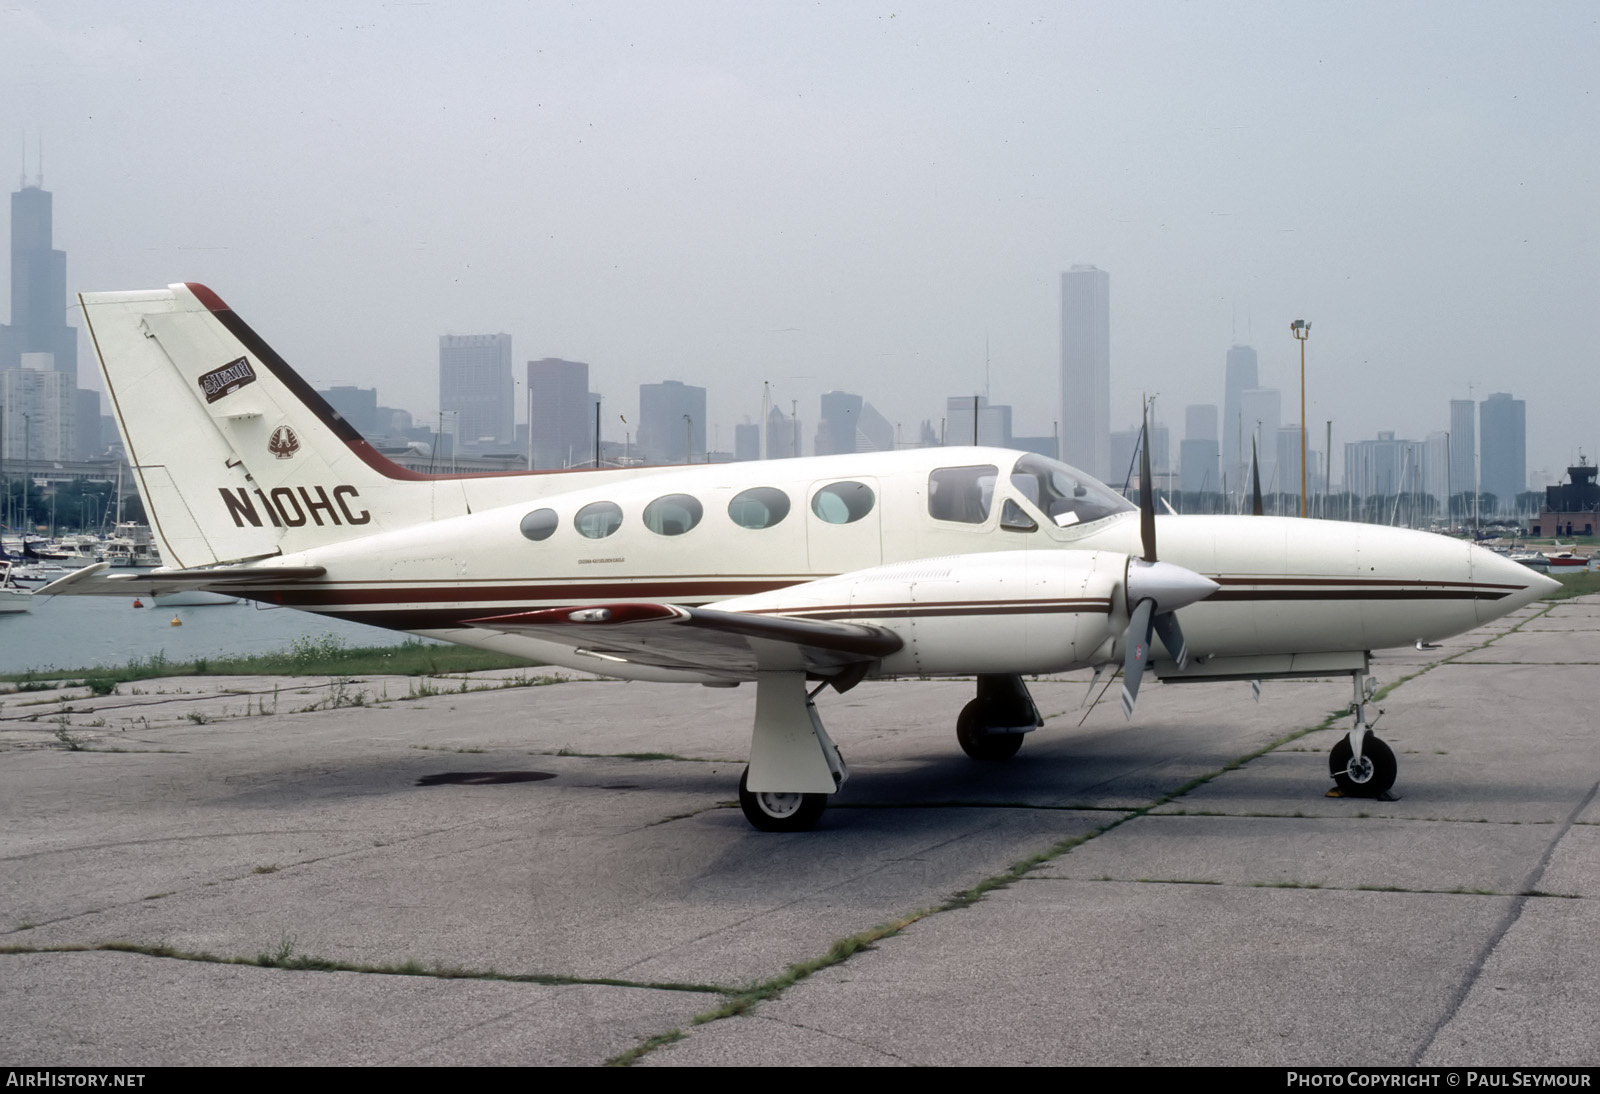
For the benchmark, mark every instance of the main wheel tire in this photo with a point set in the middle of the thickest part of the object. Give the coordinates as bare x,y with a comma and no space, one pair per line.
771,812
976,742
1372,776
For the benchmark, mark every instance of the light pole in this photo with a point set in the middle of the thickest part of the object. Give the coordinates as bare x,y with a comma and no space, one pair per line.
1301,331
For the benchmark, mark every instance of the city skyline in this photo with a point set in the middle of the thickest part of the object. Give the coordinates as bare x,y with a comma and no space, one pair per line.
688,193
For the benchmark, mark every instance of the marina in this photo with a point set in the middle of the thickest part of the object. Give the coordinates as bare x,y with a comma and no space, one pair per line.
65,632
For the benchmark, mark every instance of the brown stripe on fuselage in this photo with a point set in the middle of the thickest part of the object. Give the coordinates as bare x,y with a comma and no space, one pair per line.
1408,582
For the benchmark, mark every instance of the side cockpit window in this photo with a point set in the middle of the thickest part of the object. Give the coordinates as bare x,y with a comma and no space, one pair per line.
1063,493
962,494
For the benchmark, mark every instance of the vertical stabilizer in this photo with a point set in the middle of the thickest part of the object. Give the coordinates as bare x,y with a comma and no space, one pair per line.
235,455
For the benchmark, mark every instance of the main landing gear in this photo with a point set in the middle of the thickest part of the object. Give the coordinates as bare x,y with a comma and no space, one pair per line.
991,726
794,765
1362,766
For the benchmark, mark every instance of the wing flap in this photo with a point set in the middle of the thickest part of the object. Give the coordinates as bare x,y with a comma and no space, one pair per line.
735,645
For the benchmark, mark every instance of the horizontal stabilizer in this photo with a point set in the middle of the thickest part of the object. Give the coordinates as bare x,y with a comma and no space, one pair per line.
735,645
93,580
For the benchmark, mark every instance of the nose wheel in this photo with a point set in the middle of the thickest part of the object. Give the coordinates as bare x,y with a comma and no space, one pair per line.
1369,775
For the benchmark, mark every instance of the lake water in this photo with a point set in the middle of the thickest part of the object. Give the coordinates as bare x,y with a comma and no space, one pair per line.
86,631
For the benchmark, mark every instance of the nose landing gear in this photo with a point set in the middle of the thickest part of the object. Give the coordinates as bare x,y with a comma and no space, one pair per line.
1362,766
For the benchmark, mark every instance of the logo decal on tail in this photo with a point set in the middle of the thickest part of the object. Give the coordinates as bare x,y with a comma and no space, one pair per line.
283,443
227,379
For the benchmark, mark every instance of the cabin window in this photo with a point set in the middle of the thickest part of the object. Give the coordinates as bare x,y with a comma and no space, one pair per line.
598,519
842,502
1064,494
759,507
540,524
672,515
962,494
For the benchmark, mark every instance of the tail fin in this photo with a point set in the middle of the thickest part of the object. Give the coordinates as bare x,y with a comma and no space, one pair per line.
235,455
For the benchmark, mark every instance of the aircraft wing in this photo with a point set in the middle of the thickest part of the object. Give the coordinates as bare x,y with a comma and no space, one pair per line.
93,580
734,645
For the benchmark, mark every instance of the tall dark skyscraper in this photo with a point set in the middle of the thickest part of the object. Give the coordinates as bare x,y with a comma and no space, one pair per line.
38,351
1086,370
38,289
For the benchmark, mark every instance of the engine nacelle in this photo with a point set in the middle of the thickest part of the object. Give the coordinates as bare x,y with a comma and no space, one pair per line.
1006,612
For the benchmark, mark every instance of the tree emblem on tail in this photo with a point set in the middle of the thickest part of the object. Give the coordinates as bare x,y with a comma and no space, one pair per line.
283,443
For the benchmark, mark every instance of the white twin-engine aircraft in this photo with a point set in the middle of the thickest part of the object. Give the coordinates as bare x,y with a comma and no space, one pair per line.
792,574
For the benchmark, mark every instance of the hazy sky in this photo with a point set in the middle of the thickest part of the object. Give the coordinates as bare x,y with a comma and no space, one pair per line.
852,196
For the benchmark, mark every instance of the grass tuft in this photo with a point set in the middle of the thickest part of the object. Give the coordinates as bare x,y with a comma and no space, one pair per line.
324,655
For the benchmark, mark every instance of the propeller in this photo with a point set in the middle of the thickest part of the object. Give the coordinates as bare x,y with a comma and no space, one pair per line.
1156,590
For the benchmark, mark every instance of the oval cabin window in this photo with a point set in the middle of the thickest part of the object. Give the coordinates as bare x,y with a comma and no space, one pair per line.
672,515
842,502
759,507
598,519
540,524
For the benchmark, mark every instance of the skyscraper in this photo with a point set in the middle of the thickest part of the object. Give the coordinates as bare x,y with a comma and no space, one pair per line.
476,388
356,405
39,411
38,351
841,417
1086,370
1261,409
1503,467
1463,446
1236,431
562,414
38,290
993,425
1197,452
783,435
663,428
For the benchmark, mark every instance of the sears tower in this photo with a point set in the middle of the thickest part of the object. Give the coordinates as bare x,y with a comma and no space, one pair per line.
38,290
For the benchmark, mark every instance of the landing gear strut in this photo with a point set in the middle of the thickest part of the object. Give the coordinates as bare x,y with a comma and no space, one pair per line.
1362,766
991,726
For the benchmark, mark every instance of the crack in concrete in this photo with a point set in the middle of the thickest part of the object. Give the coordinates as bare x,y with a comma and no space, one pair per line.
1507,921
324,965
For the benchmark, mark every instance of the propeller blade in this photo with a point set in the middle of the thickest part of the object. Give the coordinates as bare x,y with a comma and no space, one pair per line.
1137,644
1166,626
1147,497
1255,481
1098,671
